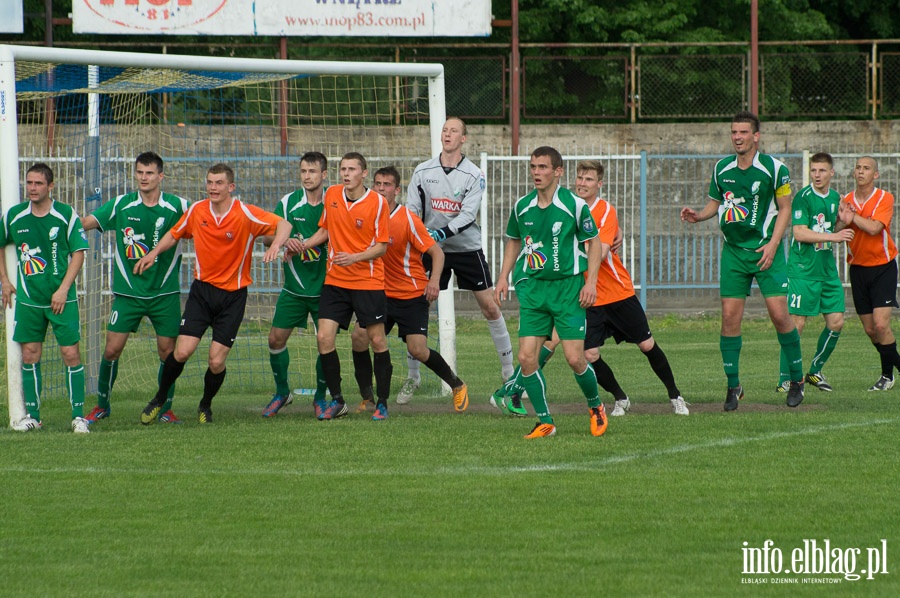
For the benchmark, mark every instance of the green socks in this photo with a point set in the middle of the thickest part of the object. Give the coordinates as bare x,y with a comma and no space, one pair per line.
587,381
109,371
730,346
827,342
31,385
536,387
790,345
75,386
280,360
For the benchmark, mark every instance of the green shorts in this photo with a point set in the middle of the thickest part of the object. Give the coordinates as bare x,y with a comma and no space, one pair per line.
163,312
31,324
814,297
544,304
293,311
738,268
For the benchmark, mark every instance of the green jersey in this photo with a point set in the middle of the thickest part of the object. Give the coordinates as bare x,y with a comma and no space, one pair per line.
552,237
139,228
814,261
44,246
304,274
748,199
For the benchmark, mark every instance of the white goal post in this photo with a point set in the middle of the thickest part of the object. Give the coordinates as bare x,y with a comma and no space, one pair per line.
12,162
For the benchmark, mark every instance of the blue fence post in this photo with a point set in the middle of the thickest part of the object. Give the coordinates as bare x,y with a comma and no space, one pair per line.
644,256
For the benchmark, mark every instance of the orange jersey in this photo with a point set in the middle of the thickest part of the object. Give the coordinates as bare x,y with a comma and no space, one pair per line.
404,274
613,281
353,227
223,246
866,249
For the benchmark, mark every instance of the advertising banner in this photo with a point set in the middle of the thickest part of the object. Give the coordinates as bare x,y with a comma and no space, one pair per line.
11,16
382,18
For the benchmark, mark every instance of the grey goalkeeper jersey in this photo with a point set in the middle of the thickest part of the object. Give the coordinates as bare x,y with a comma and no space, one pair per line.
449,201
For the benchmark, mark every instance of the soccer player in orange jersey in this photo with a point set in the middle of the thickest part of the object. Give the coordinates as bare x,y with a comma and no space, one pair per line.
617,313
223,229
355,224
872,257
409,292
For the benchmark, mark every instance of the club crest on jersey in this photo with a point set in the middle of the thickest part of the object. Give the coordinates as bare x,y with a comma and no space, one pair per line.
134,249
53,232
754,189
229,235
159,223
534,259
311,254
734,211
359,223
31,263
557,227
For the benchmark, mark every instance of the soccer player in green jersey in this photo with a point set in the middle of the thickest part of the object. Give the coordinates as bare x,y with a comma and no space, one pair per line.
50,246
814,286
552,241
304,275
750,193
140,219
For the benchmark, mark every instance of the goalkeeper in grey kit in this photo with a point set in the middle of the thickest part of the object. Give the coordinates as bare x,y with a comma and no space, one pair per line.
446,193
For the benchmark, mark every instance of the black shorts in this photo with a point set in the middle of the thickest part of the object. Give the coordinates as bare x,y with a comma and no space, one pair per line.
472,270
339,304
410,316
623,320
874,286
209,306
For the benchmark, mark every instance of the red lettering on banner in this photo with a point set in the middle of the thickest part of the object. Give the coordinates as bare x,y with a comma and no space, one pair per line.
153,2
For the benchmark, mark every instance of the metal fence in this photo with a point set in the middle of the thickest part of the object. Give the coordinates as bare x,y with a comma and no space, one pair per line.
651,82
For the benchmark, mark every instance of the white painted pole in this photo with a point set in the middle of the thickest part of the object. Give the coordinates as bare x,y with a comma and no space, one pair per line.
9,196
446,303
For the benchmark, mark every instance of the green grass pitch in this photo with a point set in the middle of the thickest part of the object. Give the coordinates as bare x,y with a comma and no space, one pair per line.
435,503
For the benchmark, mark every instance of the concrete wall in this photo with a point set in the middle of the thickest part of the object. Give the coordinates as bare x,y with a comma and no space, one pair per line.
833,136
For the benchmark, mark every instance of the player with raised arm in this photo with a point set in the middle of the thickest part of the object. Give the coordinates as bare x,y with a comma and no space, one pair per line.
409,291
139,220
355,225
50,246
446,193
223,229
547,256
750,193
304,274
872,256
814,285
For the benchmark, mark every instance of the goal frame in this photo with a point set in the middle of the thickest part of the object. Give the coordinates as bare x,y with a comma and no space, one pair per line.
10,185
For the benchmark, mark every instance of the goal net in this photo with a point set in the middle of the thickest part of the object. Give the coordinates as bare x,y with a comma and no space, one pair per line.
88,114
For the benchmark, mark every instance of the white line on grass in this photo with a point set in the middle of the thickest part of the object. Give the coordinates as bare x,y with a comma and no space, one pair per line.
592,465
